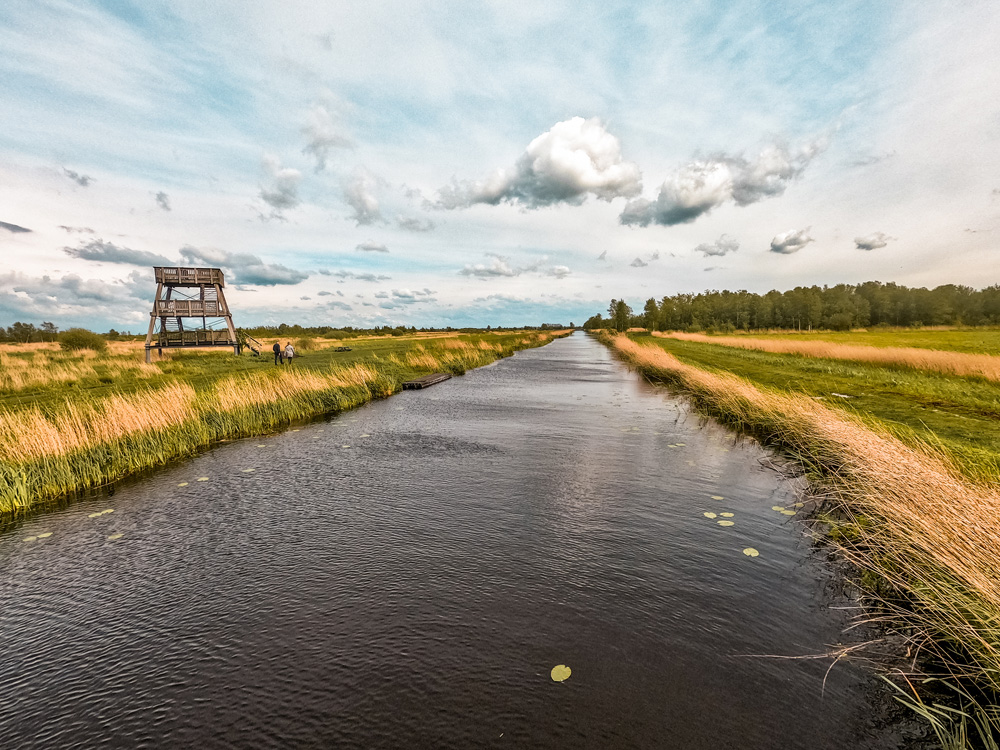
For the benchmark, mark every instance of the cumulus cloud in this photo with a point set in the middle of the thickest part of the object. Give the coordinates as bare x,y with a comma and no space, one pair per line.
305,298
560,272
414,224
82,180
246,268
638,263
873,241
336,304
76,230
108,252
360,193
372,247
574,159
70,289
791,242
282,192
403,297
322,136
13,228
163,200
700,186
497,267
725,244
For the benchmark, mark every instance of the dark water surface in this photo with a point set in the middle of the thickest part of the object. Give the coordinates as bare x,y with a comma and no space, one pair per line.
407,574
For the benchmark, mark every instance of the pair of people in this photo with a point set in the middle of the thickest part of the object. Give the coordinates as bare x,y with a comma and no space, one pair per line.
280,355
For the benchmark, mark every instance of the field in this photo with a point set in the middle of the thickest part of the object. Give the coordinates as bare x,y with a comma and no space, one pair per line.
907,461
73,420
970,340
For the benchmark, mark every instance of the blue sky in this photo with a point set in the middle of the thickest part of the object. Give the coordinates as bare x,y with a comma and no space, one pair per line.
489,163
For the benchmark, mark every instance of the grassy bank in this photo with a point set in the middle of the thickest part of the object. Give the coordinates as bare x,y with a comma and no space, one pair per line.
61,434
947,362
959,414
926,531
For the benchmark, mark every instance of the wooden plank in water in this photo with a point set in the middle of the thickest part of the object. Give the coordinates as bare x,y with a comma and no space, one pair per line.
425,381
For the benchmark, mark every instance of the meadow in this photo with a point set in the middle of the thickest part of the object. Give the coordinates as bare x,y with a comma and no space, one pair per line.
908,464
76,420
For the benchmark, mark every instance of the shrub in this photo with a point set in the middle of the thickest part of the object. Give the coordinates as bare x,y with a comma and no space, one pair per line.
81,338
305,344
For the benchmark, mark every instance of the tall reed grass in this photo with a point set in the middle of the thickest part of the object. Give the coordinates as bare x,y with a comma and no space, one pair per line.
918,523
49,452
949,363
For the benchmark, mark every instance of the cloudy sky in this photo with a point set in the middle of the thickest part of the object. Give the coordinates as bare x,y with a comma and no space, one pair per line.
492,162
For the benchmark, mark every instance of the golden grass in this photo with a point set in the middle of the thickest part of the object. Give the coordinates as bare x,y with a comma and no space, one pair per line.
27,366
242,391
921,526
949,363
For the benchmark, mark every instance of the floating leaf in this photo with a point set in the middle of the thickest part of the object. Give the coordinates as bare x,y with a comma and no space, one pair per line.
725,523
366,435
30,538
709,515
95,515
777,507
718,497
202,479
788,512
46,535
727,515
295,430
247,471
681,445
798,505
561,673
751,552
345,446
107,510
182,484
115,536
262,445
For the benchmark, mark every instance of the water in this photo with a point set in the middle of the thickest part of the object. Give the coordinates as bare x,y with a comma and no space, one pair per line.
407,574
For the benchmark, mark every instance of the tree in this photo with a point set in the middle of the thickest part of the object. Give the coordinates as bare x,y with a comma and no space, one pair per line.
621,315
650,314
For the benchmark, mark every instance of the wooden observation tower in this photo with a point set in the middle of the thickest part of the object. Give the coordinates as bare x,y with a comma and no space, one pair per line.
192,295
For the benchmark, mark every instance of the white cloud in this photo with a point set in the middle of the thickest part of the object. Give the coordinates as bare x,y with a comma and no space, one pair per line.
360,193
725,244
574,159
791,241
638,263
372,247
414,224
246,268
872,241
322,136
560,272
283,190
700,186
80,179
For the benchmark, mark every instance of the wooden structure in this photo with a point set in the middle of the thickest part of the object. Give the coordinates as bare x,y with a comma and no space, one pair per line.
192,295
426,381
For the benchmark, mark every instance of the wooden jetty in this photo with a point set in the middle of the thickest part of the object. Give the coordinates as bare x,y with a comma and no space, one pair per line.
426,381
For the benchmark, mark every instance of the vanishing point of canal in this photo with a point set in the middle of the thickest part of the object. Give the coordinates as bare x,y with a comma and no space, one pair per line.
407,575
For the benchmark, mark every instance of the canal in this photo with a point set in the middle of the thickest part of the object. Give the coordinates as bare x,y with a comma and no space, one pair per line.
407,575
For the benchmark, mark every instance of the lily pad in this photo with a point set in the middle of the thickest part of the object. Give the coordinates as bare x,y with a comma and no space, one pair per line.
247,471
777,507
115,536
345,446
727,515
182,484
561,673
709,515
30,538
725,523
45,535
718,497
788,512
95,515
202,479
262,445
751,552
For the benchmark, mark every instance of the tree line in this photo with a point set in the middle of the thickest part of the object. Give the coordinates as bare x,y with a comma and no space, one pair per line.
839,308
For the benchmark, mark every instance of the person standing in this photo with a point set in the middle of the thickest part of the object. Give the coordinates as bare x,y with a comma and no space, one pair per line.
278,355
289,352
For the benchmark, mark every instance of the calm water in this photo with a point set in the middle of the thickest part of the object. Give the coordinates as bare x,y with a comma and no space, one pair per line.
406,575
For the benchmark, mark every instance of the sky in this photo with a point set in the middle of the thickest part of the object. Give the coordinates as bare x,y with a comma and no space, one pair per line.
489,163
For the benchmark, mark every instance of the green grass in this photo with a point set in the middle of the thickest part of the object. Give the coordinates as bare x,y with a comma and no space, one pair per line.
961,414
969,340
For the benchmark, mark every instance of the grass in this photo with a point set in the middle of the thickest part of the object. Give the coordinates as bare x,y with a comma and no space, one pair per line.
981,340
117,416
959,414
948,362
